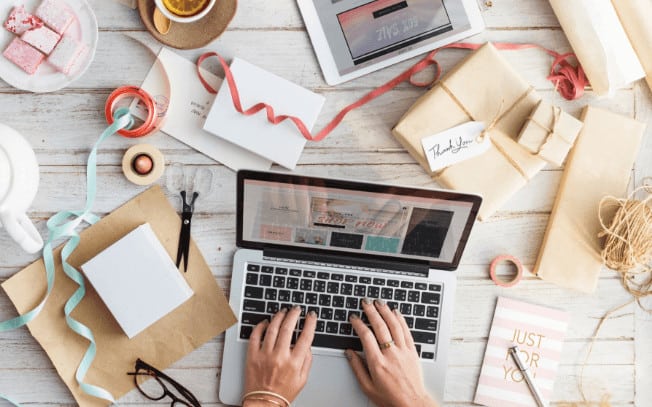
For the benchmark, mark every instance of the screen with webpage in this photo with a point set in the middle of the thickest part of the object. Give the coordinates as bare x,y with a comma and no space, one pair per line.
400,226
383,26
363,32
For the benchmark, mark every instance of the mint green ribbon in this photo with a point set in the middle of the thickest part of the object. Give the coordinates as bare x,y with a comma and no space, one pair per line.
64,225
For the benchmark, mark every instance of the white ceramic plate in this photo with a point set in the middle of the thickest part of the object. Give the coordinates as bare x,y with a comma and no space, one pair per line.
46,78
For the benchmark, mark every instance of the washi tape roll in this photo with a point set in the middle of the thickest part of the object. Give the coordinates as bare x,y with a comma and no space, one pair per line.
130,92
143,164
508,259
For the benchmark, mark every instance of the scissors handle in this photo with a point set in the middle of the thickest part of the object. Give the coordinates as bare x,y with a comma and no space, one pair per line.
184,234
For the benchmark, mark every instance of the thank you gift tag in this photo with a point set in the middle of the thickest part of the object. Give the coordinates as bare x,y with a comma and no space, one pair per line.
456,144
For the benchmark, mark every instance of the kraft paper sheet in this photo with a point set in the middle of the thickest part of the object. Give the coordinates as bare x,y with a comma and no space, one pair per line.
600,42
600,164
482,87
205,315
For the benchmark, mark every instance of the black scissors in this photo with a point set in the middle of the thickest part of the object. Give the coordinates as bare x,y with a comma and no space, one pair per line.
184,234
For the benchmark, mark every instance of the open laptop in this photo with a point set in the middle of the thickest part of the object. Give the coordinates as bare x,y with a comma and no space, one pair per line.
326,244
352,38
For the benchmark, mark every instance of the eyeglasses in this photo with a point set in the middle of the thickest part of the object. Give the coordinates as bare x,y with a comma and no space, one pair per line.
156,389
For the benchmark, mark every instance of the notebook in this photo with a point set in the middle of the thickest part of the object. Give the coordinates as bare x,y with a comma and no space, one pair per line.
137,280
539,333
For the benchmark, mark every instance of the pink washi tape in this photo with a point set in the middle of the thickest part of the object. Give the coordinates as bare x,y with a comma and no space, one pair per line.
509,259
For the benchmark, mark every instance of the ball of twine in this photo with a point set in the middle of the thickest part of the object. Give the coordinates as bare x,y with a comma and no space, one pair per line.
627,247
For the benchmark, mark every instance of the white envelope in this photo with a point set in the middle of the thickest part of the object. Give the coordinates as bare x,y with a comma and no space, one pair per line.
281,143
188,105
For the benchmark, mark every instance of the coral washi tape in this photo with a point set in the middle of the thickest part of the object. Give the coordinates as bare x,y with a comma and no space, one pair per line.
124,92
509,259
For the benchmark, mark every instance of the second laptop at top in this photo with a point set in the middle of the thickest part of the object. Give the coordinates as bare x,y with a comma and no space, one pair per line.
326,244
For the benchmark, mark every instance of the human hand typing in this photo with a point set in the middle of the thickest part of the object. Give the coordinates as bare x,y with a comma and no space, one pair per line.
273,367
391,376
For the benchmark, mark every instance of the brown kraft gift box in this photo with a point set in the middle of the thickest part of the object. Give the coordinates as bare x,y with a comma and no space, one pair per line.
484,87
550,133
600,164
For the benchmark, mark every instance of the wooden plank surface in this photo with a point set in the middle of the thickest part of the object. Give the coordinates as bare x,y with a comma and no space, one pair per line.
63,125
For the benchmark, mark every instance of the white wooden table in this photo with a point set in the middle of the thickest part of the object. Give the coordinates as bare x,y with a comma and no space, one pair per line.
62,126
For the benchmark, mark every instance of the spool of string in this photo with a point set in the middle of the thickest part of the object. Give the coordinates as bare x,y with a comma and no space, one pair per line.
627,250
627,247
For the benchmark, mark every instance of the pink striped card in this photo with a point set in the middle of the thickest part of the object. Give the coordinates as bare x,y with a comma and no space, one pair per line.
539,333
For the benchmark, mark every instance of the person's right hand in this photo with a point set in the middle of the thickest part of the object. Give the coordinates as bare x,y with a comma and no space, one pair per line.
391,376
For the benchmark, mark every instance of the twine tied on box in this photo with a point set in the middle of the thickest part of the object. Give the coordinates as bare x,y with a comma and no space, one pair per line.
552,130
499,116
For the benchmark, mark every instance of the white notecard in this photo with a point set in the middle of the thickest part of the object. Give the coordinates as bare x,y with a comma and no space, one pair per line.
137,280
281,143
454,145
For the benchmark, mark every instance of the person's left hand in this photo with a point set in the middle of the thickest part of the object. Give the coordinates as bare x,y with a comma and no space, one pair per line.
272,365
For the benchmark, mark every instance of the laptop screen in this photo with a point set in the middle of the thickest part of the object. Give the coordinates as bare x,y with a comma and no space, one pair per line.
290,211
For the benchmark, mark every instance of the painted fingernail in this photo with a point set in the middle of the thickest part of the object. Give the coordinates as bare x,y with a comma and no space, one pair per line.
380,303
284,310
312,314
349,354
297,307
353,317
368,301
396,311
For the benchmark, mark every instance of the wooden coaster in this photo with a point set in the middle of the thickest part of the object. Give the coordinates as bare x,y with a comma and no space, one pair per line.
190,35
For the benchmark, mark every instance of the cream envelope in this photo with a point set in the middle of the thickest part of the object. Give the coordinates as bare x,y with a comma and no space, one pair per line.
189,102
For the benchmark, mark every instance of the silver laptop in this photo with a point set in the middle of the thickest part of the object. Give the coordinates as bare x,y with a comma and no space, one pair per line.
326,244
352,38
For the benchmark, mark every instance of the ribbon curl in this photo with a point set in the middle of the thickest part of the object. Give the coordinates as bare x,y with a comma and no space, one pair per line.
569,81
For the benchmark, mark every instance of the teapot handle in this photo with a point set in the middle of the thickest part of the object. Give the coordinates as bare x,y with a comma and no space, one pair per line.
23,231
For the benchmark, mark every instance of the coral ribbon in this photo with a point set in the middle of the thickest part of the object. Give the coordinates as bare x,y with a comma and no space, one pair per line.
568,80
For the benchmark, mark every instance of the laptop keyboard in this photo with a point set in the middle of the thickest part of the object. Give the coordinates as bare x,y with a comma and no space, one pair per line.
334,297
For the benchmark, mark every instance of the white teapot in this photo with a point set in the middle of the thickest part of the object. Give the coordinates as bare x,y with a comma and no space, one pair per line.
19,179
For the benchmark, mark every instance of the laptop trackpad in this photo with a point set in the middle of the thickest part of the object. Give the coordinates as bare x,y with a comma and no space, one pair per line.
331,383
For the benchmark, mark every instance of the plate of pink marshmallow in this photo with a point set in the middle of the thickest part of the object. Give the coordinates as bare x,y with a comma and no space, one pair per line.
46,44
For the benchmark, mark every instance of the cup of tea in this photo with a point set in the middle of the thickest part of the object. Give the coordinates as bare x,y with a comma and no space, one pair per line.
184,11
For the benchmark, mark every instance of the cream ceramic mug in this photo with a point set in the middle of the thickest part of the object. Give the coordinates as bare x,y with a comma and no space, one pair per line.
19,179
179,18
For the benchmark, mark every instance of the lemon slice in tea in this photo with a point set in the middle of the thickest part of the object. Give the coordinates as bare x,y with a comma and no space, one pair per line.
185,8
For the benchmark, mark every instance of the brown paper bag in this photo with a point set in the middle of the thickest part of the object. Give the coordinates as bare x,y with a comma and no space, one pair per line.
550,133
483,87
600,164
205,315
